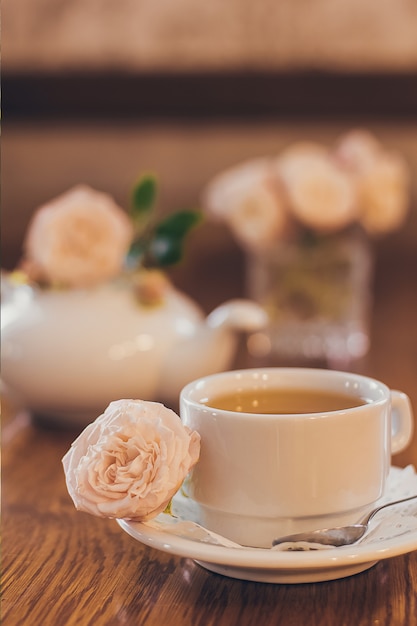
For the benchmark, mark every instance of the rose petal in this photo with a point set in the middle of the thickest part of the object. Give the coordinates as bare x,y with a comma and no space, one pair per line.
130,461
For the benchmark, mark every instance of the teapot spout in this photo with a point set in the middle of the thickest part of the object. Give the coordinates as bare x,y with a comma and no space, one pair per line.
240,315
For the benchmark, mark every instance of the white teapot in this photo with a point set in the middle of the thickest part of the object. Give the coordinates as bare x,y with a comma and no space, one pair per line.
67,354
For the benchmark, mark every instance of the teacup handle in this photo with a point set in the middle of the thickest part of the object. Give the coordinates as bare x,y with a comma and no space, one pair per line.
402,421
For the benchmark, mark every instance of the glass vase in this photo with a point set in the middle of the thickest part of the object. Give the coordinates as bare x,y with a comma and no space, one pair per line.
317,292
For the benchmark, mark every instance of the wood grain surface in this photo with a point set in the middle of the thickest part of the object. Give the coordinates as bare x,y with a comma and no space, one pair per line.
62,567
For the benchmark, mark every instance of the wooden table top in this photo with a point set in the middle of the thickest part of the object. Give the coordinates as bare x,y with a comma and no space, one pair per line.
65,567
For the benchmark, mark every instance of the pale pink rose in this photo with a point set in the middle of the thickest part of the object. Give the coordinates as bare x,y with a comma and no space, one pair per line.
78,239
298,157
130,461
321,195
382,180
260,218
228,188
250,199
384,193
357,149
299,154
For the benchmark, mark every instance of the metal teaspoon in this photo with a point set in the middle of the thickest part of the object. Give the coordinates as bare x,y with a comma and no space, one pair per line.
341,535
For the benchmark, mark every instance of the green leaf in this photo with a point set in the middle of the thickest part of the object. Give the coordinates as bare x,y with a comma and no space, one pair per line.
143,197
165,250
178,224
166,247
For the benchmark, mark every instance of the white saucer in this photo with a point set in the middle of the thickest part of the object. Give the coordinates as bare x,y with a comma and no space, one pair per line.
182,536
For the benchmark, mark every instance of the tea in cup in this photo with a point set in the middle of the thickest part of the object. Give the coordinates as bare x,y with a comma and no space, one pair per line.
285,450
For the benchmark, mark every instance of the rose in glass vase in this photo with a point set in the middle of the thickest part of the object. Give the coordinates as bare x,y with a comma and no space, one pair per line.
305,219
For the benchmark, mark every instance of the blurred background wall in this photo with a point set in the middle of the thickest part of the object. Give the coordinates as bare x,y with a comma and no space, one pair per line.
96,91
184,34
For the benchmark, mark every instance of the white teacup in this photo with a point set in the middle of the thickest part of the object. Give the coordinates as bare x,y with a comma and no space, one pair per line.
263,475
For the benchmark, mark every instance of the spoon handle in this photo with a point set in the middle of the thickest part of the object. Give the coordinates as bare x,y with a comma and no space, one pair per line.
370,515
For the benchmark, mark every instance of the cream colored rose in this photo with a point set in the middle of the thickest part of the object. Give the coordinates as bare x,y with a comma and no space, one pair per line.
78,239
250,200
321,195
227,189
357,149
130,461
382,180
259,218
384,193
